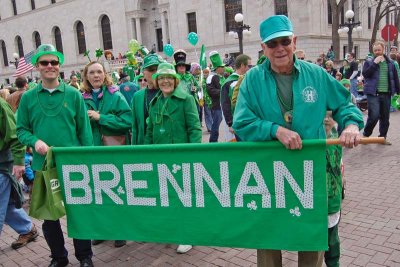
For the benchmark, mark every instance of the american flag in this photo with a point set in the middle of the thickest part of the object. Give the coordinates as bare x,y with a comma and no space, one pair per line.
24,64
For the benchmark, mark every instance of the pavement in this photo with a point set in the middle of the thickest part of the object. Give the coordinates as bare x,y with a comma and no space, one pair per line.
369,228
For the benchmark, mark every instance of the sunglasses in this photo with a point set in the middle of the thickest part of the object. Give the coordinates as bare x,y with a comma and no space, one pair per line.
45,63
142,80
301,58
274,43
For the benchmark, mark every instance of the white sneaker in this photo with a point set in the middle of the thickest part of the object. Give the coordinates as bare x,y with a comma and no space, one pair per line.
183,248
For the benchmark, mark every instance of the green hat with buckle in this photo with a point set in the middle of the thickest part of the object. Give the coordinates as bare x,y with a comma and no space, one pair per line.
165,69
47,49
216,60
274,27
152,60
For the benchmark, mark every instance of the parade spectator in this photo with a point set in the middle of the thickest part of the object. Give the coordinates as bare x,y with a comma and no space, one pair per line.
109,113
381,82
213,84
338,76
13,100
141,81
352,73
12,168
74,81
127,88
330,55
274,90
207,101
228,60
300,54
242,65
54,114
195,70
173,116
141,100
393,49
330,68
320,62
346,84
5,93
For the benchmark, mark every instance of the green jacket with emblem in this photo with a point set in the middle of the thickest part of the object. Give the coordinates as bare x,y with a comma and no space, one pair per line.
115,114
258,114
173,120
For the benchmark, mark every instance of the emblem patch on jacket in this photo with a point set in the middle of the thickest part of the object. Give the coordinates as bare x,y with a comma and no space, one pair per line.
310,95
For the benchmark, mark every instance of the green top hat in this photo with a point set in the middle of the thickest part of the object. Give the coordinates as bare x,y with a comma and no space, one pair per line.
274,27
47,49
165,69
216,60
152,60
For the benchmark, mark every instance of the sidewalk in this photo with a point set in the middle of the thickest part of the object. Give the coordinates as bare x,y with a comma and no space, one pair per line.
369,229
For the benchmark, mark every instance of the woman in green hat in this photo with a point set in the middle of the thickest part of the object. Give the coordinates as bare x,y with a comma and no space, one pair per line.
173,116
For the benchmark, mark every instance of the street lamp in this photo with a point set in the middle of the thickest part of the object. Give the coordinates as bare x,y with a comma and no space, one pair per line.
240,30
349,27
15,62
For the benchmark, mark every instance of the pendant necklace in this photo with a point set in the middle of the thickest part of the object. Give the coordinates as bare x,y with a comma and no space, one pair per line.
288,115
161,114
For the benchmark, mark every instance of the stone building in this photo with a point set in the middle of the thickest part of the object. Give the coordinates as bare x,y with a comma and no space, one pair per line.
75,26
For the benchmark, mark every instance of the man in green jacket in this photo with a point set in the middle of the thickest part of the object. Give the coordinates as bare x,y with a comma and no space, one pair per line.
54,114
142,98
12,166
286,99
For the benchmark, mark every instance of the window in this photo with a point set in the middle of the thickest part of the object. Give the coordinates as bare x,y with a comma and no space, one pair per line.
20,47
4,52
33,6
14,6
36,39
369,17
281,7
53,1
329,12
80,36
232,7
106,32
192,25
58,40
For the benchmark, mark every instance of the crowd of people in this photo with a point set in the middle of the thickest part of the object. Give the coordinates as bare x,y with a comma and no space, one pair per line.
167,103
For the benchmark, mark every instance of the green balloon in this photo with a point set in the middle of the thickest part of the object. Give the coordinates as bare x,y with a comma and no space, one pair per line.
193,38
168,50
134,46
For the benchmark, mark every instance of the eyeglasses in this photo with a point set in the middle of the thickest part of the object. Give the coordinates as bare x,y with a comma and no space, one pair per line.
45,63
152,69
274,43
142,80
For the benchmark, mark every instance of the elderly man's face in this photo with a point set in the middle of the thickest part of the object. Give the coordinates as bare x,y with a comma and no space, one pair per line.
279,51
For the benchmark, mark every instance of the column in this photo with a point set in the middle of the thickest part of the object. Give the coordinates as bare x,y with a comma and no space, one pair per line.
138,31
164,28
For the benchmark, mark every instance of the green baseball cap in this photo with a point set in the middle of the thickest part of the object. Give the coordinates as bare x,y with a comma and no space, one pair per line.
274,27
47,49
152,60
165,69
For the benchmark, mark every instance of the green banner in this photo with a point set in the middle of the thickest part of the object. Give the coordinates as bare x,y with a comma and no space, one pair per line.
249,195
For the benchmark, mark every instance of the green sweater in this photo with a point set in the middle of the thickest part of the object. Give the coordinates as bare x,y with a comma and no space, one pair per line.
8,134
59,119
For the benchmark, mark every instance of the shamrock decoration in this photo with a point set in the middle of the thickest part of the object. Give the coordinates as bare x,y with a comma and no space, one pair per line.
99,53
86,54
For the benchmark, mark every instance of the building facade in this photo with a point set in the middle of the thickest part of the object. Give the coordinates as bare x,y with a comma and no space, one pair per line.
75,26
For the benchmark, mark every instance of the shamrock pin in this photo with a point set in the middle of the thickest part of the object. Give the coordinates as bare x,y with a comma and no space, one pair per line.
252,205
120,190
295,212
176,168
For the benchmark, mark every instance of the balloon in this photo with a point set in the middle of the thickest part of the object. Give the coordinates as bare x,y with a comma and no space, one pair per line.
134,46
193,38
168,50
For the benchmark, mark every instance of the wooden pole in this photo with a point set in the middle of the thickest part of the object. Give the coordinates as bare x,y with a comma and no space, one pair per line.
363,141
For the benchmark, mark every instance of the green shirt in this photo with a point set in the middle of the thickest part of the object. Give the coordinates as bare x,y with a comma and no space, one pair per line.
59,119
8,135
383,82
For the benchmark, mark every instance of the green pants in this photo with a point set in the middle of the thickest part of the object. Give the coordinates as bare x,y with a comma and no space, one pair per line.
332,256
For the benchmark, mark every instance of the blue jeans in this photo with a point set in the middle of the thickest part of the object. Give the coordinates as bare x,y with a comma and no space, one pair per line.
378,110
217,118
17,219
353,87
207,117
55,240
